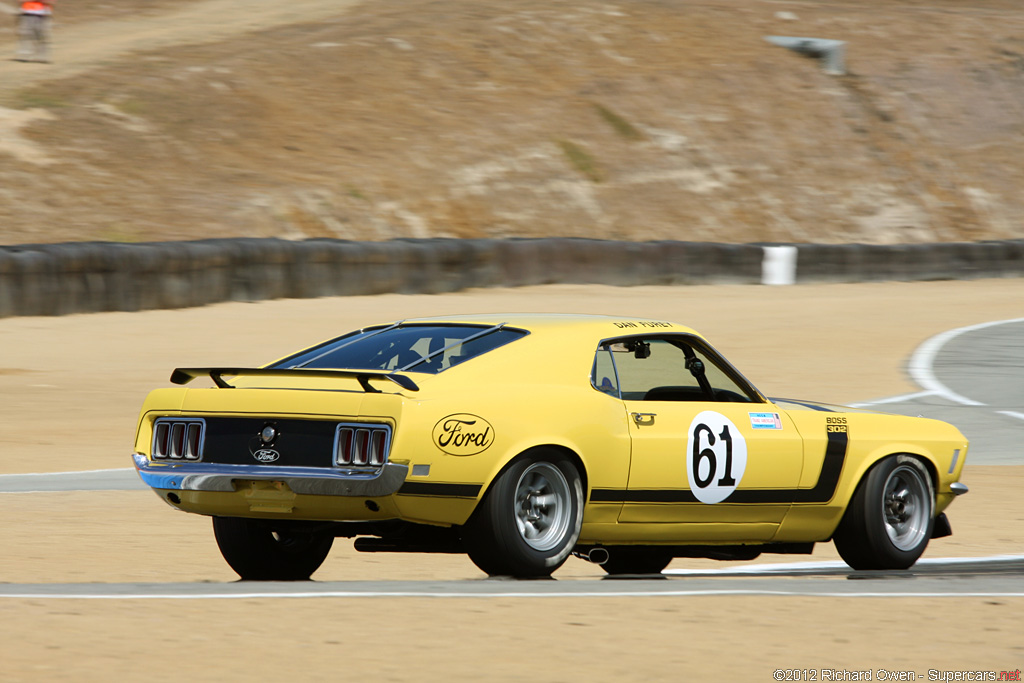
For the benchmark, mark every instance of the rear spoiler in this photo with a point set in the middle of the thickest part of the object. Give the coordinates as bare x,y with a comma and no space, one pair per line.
186,375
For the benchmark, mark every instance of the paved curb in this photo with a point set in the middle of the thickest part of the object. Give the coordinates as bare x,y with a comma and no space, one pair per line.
81,277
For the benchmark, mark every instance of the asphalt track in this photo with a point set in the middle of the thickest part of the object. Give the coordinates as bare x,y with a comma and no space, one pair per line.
1001,576
972,377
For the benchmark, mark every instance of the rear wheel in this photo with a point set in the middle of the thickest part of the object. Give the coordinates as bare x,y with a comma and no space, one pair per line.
636,561
889,521
262,550
529,521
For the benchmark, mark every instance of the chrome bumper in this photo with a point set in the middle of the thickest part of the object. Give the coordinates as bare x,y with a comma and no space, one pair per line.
313,481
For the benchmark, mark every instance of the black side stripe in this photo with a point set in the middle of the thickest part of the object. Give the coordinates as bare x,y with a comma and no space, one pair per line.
828,480
422,488
642,496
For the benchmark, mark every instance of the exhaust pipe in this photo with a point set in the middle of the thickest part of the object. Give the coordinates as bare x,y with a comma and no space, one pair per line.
595,555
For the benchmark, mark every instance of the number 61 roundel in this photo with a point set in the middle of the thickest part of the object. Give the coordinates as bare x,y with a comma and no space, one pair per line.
716,456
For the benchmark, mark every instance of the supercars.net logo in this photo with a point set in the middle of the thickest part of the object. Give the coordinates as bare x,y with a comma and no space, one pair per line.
815,675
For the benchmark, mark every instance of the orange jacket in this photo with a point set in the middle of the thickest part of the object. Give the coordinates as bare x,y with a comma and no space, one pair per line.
35,7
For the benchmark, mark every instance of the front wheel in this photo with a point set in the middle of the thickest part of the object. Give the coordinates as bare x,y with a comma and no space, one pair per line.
262,550
889,520
529,521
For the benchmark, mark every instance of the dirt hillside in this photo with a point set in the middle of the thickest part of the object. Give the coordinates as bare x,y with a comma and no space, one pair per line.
649,119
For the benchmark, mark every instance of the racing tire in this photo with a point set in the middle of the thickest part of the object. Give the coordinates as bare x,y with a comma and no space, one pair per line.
890,519
260,550
530,519
636,561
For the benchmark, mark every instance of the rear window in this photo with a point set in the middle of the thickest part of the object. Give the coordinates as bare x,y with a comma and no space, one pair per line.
410,348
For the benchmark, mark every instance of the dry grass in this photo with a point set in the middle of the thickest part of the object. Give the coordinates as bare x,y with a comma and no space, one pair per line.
645,120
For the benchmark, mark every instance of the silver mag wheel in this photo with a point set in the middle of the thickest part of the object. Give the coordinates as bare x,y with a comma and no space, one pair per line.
543,506
529,520
906,507
890,518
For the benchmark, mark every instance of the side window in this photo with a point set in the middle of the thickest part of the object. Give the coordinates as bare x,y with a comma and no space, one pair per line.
671,370
603,374
654,370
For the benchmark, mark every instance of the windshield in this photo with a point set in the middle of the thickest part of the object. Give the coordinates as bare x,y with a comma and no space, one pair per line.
410,348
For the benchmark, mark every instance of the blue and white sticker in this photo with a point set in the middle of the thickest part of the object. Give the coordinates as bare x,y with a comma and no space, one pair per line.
716,457
765,421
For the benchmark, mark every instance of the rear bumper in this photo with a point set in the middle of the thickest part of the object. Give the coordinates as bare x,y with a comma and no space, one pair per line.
314,481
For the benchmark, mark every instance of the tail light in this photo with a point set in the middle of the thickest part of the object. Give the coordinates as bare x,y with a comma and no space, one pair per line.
178,439
362,445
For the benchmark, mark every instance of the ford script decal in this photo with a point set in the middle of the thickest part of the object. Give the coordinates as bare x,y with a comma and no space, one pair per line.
266,455
463,434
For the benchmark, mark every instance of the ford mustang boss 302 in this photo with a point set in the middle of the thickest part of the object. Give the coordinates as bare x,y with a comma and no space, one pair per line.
522,439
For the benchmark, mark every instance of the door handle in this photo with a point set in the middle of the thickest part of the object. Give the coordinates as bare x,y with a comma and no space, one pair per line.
644,418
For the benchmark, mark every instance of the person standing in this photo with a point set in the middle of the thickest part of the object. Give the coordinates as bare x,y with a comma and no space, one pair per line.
34,31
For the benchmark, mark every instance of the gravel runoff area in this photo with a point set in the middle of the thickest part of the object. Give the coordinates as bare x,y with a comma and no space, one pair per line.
72,387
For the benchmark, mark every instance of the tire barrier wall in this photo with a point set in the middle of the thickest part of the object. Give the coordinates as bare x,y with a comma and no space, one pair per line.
80,277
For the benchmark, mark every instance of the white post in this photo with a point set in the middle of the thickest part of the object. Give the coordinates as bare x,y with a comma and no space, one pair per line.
778,266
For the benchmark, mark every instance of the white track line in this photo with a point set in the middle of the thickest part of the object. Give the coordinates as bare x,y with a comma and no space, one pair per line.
730,571
921,370
65,474
832,564
29,476
1010,413
506,595
33,492
892,399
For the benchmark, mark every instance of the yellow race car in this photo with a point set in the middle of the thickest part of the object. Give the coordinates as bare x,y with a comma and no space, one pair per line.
522,439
